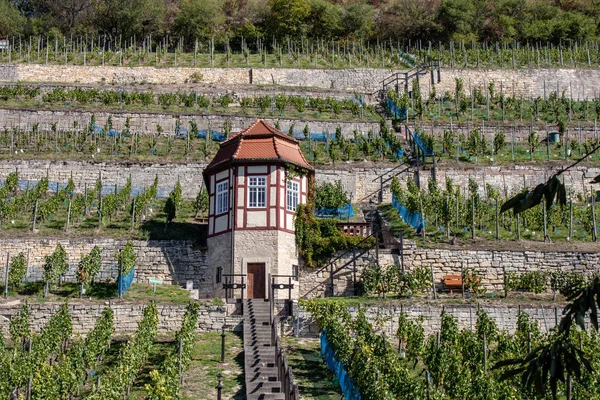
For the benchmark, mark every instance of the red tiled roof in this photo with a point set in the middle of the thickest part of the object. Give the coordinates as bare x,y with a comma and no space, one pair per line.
260,141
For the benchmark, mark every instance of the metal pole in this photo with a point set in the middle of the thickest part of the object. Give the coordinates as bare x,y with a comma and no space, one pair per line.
219,386
402,251
354,269
223,344
6,275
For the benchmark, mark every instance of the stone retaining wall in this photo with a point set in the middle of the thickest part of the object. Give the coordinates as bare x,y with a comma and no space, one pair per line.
505,316
145,123
126,317
490,265
361,181
174,262
578,83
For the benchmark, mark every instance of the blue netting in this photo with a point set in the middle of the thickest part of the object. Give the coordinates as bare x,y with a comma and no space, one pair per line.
327,212
395,110
180,131
125,281
399,153
419,142
299,135
412,218
359,99
321,137
349,391
216,135
410,60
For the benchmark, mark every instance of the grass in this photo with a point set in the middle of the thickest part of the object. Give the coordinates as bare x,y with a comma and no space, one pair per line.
435,231
314,380
233,110
488,298
138,292
203,60
183,228
200,380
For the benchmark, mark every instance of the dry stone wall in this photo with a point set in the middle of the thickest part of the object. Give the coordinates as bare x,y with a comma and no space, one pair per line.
577,83
174,262
126,317
145,123
490,265
505,316
361,181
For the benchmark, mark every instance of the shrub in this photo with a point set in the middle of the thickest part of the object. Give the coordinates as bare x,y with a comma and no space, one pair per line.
126,258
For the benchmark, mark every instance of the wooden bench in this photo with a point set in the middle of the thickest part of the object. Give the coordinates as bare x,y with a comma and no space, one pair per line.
453,282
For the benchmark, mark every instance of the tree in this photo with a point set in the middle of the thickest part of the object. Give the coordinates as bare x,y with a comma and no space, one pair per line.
126,258
199,19
55,265
126,18
325,19
201,202
170,210
17,270
358,20
11,20
288,18
331,195
89,266
409,19
456,18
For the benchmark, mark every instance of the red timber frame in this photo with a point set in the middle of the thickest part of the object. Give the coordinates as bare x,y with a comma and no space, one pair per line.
242,204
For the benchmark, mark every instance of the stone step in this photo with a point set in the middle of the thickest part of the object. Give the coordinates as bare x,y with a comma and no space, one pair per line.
257,388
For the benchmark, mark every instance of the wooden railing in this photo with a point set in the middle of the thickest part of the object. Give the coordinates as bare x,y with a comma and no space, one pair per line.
363,229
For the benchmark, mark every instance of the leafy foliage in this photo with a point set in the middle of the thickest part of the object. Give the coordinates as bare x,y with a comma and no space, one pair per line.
17,270
331,195
126,258
55,264
89,266
319,239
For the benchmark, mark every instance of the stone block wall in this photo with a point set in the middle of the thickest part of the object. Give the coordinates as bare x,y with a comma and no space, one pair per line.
126,317
578,83
145,123
505,316
490,265
174,262
360,180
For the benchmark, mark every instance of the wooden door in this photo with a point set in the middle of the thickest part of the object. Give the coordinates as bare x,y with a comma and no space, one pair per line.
256,280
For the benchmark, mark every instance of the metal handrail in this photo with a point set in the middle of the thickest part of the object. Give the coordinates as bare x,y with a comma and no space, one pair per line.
344,253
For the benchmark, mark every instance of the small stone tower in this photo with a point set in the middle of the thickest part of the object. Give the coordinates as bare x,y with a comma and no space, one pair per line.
255,182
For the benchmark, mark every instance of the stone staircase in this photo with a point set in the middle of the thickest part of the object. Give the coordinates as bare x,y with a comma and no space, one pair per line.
262,380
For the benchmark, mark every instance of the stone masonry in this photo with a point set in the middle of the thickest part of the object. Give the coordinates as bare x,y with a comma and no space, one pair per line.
361,180
577,83
386,316
490,265
174,262
145,123
126,317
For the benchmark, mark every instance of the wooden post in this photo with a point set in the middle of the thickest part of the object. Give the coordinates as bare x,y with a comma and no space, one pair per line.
433,283
497,224
545,219
133,215
68,216
6,275
473,217
462,278
571,218
484,353
34,215
594,234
